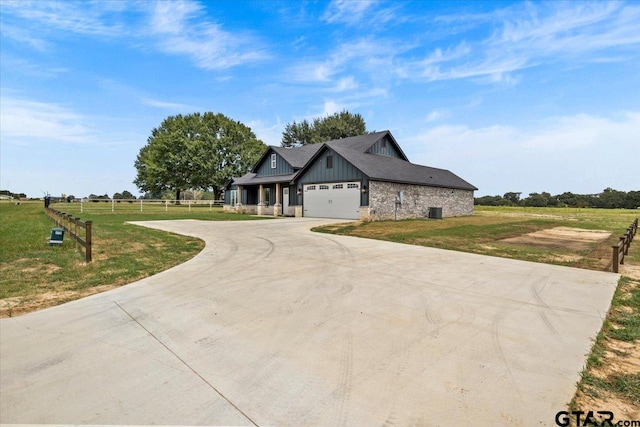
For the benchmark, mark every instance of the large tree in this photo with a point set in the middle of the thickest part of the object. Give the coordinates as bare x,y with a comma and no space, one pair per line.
336,126
196,151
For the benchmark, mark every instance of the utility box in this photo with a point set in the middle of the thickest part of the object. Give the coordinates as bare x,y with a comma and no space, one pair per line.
57,235
435,213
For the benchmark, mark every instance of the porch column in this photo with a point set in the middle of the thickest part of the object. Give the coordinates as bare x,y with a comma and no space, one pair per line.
277,208
239,199
260,200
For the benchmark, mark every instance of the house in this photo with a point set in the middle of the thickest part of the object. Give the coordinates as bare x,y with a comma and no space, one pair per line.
366,177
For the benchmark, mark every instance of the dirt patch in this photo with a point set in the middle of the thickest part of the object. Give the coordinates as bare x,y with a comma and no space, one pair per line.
632,271
575,239
15,306
620,358
618,364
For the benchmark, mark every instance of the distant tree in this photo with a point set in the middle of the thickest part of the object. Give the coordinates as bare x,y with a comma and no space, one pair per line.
489,201
196,151
539,200
125,195
611,199
513,197
336,126
632,200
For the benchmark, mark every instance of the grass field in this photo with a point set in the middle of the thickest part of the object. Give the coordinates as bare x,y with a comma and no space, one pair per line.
571,237
34,275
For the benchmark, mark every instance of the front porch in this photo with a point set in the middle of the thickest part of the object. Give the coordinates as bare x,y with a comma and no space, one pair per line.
269,199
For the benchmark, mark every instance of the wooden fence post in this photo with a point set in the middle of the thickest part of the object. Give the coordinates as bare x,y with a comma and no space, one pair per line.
87,248
616,250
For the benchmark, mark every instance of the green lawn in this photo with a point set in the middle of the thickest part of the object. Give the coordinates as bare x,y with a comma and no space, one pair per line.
485,233
35,275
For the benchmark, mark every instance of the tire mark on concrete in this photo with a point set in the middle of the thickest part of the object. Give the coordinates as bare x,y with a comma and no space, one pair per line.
270,249
344,389
393,415
497,346
542,308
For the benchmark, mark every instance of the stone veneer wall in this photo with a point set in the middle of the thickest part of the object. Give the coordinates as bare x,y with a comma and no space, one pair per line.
417,200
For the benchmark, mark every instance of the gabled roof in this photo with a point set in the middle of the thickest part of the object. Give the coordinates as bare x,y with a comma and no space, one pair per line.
392,169
299,156
296,157
354,150
362,143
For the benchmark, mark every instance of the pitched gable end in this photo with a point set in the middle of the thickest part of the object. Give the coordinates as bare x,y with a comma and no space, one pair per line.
272,163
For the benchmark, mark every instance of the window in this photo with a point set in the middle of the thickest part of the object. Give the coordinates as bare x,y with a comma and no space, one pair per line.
337,187
324,187
384,142
273,161
267,196
352,185
311,187
329,162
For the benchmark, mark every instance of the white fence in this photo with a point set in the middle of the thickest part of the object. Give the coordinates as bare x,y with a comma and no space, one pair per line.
144,205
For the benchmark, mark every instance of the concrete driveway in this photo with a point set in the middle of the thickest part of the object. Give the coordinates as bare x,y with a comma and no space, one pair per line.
274,325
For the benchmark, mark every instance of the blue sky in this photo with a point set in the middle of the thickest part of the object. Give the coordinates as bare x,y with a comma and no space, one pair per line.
511,96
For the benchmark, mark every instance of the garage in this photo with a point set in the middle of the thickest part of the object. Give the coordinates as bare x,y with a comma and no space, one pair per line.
332,200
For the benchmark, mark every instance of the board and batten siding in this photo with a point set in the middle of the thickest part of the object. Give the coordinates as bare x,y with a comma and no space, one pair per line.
282,167
384,147
341,170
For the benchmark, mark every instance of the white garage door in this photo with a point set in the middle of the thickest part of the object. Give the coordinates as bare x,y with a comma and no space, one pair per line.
339,200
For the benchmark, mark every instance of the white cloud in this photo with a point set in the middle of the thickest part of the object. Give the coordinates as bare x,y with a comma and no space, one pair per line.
581,154
167,105
173,27
269,133
436,115
79,18
24,121
180,29
346,11
331,107
532,34
346,83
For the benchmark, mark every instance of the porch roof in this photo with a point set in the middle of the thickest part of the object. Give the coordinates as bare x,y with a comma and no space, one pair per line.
251,179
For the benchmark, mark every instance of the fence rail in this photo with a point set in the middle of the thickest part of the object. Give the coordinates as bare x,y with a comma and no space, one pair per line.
71,225
141,205
622,248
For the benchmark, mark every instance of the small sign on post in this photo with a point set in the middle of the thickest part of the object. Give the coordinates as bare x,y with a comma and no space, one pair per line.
57,236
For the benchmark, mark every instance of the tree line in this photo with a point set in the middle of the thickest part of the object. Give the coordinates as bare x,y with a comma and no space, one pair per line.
608,199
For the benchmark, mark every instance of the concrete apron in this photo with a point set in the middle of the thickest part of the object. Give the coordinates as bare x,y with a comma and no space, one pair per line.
274,325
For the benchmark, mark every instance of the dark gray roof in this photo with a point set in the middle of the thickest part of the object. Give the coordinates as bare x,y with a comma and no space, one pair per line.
385,168
353,149
299,156
362,143
250,178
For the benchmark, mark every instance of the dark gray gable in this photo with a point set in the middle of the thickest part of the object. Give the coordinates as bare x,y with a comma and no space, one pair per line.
299,156
372,143
386,147
264,165
317,170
